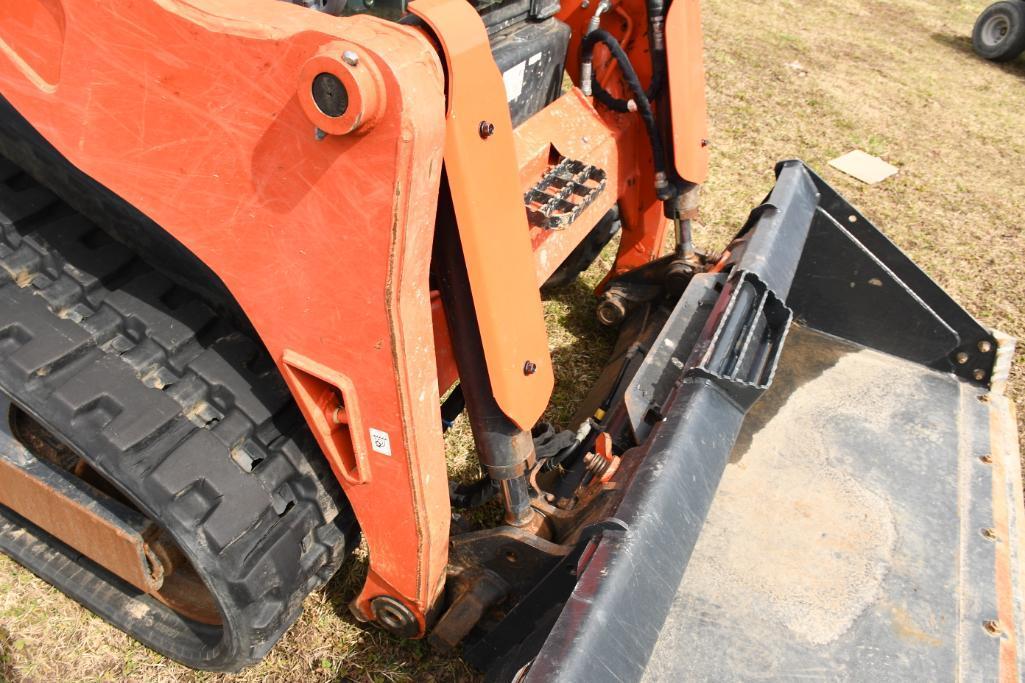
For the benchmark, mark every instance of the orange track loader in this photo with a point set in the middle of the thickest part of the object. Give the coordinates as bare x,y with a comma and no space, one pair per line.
255,257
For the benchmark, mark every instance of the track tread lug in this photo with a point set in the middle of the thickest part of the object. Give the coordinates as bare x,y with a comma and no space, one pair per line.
191,466
136,412
52,342
185,413
17,206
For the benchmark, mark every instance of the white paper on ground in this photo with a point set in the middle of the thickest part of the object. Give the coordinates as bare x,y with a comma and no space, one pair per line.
864,167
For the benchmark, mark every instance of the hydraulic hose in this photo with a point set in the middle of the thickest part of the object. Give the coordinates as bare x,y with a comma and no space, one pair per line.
640,99
623,106
473,494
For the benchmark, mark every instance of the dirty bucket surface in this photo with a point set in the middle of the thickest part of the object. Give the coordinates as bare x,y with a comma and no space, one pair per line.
852,535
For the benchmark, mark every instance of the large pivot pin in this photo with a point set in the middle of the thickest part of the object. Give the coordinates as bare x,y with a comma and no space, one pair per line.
341,91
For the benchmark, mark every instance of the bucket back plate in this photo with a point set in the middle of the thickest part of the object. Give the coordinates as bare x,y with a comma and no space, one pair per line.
865,529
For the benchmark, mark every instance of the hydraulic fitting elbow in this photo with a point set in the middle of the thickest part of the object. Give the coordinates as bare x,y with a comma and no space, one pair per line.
586,67
595,21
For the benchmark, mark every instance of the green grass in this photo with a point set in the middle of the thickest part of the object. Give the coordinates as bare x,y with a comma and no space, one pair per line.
785,79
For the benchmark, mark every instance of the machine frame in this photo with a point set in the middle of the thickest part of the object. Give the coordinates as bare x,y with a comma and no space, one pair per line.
337,219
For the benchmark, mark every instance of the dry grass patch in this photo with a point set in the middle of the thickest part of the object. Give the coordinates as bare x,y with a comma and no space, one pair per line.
897,79
786,79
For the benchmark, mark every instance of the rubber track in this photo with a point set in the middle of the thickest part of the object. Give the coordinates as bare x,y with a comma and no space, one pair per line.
185,413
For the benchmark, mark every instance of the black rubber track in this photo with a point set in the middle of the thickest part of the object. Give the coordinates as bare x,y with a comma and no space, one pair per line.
185,414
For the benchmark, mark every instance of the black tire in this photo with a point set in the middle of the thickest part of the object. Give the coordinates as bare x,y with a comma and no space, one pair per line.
183,413
999,33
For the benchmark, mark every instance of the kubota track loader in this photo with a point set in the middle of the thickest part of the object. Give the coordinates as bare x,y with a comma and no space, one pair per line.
247,246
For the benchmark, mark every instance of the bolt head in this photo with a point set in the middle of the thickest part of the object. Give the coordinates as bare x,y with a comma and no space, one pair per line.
985,346
529,368
350,58
961,358
486,129
979,375
992,627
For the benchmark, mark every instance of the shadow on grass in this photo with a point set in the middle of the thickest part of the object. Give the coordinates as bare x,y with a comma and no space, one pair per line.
578,362
580,301
7,671
963,44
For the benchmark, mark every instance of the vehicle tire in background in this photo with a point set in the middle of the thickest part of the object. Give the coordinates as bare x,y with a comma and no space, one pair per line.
999,33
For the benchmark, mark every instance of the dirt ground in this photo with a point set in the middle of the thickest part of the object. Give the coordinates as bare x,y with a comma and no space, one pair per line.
896,78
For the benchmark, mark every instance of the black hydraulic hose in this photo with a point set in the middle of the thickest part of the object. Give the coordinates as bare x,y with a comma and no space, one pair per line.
576,469
464,496
623,106
640,98
625,65
657,42
452,408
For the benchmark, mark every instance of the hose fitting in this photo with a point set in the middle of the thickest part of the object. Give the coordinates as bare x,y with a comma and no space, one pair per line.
586,66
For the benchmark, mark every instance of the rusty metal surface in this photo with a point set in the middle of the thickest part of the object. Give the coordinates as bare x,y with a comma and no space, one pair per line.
471,594
869,528
45,482
1008,531
87,520
517,556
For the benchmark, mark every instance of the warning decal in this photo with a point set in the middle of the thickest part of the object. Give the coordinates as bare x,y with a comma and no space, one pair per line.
380,442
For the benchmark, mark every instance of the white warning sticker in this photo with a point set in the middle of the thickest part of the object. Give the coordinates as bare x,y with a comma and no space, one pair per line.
513,79
380,441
